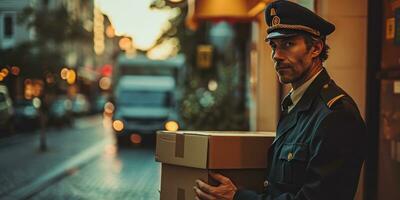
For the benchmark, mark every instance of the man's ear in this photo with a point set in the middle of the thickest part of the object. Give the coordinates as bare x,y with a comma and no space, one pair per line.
317,48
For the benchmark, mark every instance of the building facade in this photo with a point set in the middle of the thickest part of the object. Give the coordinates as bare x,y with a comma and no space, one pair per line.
11,32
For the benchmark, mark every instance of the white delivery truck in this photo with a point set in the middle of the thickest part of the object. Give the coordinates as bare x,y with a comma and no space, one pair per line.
145,97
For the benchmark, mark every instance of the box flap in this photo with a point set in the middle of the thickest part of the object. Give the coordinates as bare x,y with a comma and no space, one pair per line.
179,149
214,149
226,133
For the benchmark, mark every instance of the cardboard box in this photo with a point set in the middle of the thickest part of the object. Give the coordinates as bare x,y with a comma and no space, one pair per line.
214,150
190,155
177,182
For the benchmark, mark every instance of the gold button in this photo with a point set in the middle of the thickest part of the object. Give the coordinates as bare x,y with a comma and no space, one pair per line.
290,156
326,86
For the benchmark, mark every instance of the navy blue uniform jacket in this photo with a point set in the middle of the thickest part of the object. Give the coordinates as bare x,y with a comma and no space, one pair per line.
318,150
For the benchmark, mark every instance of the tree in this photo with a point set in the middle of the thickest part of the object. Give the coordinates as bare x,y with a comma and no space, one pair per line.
203,108
52,28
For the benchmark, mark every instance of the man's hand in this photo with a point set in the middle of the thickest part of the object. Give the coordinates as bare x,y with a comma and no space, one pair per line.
224,191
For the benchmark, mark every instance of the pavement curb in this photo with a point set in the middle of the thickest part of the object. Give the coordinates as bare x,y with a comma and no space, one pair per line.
62,170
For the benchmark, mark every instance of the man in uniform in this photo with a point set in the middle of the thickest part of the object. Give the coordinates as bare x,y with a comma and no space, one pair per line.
320,142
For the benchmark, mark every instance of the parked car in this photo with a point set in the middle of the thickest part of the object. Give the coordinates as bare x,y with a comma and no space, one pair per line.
27,114
80,105
6,111
60,111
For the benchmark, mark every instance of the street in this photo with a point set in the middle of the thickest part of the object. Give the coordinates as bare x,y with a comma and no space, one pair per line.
82,162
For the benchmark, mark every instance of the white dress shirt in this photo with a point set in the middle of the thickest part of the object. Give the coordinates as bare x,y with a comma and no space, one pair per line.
296,94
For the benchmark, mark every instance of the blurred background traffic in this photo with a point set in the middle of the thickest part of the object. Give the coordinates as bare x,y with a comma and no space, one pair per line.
144,64
81,80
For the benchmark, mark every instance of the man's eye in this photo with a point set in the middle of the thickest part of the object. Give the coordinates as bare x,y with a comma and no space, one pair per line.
288,44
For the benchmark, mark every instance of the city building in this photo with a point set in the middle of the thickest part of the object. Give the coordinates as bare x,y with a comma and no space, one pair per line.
364,60
11,32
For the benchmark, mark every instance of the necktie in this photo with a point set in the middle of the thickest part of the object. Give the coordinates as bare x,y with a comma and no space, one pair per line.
287,101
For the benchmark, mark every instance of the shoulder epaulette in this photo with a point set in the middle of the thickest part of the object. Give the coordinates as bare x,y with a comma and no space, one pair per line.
330,94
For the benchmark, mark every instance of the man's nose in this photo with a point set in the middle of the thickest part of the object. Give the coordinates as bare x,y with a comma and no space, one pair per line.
278,55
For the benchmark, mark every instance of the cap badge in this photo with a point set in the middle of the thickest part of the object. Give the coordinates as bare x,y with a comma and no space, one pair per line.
273,12
276,20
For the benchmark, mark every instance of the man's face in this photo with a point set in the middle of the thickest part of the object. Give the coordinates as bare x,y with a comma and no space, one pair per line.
291,58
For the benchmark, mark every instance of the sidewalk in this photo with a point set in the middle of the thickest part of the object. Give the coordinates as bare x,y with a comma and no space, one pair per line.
24,170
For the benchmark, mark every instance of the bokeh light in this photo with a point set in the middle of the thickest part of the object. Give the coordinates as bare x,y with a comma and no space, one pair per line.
110,31
125,43
98,31
71,77
15,70
171,126
105,83
109,108
64,73
118,125
136,138
36,102
212,85
4,72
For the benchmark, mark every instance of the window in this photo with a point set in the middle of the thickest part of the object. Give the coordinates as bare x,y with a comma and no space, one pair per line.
8,26
144,98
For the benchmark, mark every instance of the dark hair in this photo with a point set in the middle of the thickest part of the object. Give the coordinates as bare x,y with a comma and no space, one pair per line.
310,40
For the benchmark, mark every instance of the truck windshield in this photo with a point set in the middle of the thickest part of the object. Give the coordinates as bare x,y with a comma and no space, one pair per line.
144,98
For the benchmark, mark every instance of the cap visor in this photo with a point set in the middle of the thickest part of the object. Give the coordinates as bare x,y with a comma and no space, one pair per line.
280,34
